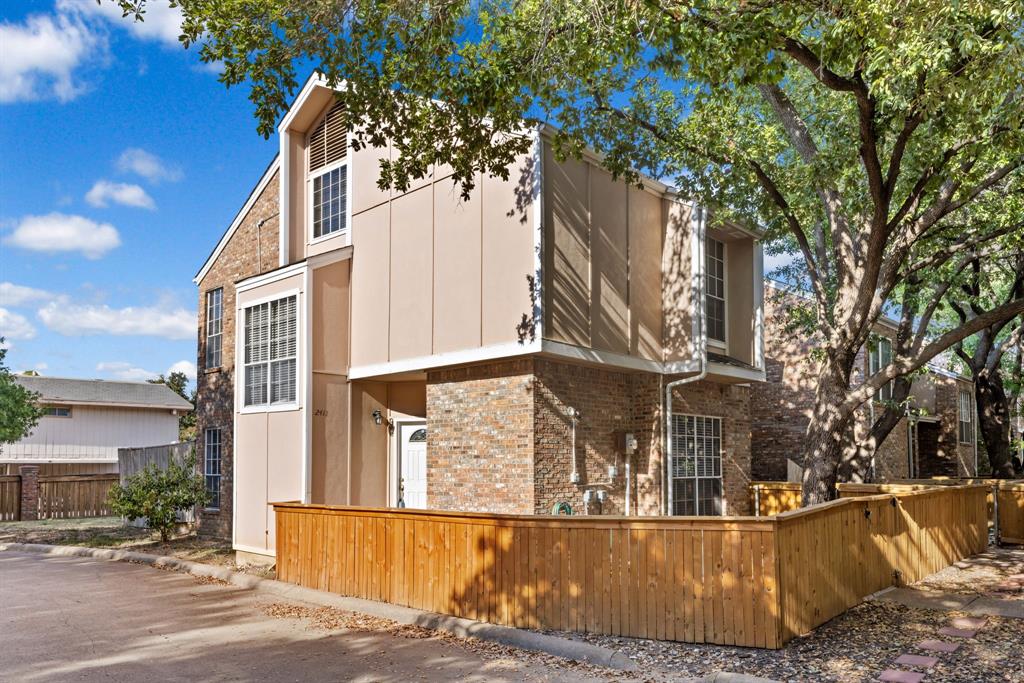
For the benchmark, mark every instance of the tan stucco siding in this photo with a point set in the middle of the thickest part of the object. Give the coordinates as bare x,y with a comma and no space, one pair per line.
296,159
368,474
269,446
617,262
739,298
330,311
434,273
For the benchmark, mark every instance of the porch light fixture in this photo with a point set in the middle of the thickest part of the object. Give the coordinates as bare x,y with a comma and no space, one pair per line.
378,417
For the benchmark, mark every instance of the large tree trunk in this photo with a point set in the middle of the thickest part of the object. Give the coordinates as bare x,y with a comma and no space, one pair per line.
994,421
826,432
856,465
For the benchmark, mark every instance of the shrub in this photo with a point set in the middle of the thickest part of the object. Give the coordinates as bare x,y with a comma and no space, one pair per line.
160,494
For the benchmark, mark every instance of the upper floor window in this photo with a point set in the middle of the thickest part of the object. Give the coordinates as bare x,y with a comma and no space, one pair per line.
880,356
56,411
270,352
214,326
966,418
328,175
714,295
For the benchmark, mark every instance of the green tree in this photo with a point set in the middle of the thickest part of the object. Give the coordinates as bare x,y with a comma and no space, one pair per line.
19,408
853,131
178,382
158,495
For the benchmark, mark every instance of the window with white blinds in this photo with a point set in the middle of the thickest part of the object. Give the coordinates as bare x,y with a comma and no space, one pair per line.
696,465
328,175
270,349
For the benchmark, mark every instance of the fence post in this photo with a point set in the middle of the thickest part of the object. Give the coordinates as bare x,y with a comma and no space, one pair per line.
29,492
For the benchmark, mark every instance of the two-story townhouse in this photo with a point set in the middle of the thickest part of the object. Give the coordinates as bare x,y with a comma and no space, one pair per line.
937,436
515,351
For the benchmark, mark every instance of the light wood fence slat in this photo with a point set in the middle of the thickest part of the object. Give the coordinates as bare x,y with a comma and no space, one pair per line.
772,497
75,495
1011,512
10,498
754,582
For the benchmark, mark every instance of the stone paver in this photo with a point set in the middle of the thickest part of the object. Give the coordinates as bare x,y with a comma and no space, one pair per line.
917,660
938,646
894,676
957,632
974,623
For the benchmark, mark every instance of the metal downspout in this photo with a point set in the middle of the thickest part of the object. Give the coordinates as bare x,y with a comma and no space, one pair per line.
702,357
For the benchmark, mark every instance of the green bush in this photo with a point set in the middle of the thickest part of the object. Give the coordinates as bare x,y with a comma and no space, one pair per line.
160,494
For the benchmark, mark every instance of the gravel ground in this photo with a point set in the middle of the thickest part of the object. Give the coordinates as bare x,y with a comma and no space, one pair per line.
854,647
110,532
998,573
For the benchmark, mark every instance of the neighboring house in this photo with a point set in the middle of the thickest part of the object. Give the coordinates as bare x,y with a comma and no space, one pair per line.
85,421
505,353
936,438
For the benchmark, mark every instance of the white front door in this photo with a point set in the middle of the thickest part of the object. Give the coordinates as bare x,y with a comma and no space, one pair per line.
412,465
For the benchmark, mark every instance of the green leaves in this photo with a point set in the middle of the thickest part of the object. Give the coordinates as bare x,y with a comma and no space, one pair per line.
19,411
158,495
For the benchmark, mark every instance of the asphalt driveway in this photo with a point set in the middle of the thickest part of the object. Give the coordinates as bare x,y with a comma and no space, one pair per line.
78,619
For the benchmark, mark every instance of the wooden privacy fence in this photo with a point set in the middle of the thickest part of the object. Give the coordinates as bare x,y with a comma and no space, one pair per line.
10,498
772,497
729,580
75,495
1011,511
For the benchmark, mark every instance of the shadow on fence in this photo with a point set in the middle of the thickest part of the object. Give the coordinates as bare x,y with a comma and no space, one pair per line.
736,581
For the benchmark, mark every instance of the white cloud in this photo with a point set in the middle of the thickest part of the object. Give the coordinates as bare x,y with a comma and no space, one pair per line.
39,367
149,166
125,371
161,22
126,194
157,321
185,366
39,58
129,372
17,295
15,326
57,232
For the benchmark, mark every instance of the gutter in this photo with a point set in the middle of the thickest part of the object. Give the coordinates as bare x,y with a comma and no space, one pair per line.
702,357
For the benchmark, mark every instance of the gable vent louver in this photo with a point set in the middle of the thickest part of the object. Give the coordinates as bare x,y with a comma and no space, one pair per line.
327,143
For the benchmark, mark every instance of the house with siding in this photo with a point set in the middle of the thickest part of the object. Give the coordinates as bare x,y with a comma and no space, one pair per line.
85,421
517,351
936,437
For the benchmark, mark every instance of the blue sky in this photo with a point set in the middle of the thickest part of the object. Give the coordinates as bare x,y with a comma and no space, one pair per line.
122,160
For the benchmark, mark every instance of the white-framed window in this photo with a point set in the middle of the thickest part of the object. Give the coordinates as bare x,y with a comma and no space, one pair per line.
880,356
211,466
696,465
714,286
56,411
966,418
214,326
270,350
327,176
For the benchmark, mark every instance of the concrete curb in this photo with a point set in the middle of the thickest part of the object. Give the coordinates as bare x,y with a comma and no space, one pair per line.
465,628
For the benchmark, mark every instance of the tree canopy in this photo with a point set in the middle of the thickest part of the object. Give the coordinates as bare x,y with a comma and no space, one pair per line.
854,132
19,411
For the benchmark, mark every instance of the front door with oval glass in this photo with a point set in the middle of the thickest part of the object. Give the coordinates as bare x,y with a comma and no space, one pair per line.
412,465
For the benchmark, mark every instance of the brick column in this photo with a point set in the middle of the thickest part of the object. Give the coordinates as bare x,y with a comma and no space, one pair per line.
29,492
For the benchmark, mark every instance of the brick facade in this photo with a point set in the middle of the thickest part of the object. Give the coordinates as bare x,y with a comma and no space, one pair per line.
250,251
782,405
499,436
480,438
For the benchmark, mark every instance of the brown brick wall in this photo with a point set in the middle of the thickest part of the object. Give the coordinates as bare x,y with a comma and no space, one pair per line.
242,257
499,437
781,406
480,438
